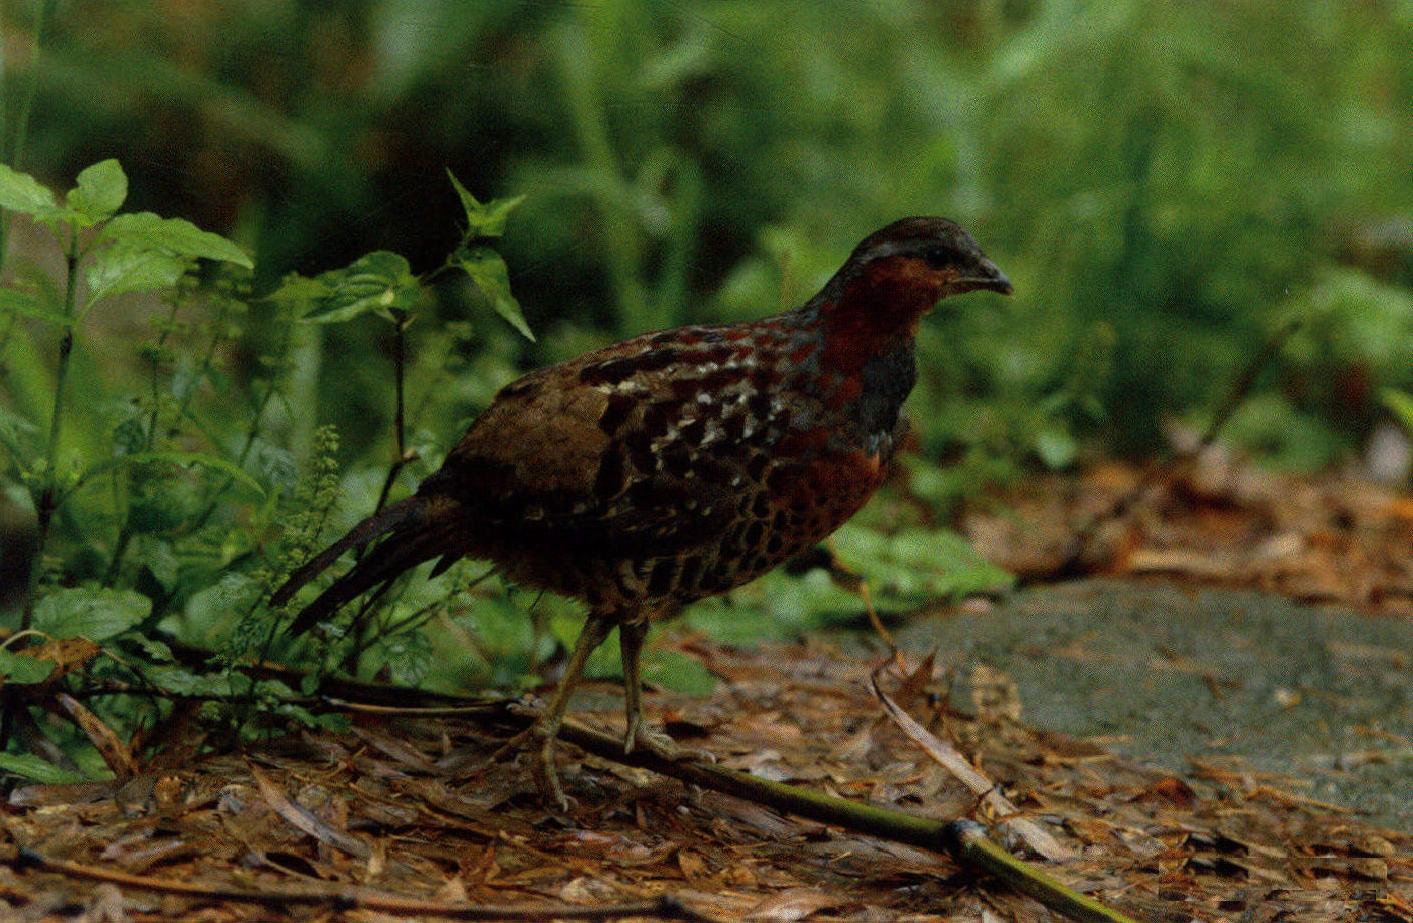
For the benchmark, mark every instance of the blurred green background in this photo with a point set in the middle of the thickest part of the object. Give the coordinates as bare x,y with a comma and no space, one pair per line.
1168,185
1165,182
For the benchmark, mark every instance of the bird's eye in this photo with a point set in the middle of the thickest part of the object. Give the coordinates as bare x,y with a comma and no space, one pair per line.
936,257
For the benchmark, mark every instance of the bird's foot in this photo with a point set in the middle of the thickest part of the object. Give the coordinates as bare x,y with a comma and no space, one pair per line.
642,736
537,744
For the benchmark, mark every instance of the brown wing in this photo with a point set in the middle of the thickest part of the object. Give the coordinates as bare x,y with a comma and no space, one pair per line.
602,456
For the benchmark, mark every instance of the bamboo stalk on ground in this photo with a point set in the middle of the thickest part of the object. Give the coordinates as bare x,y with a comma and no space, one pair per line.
963,840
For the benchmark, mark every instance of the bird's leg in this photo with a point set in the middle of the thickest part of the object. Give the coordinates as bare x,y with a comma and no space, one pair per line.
541,735
638,732
630,646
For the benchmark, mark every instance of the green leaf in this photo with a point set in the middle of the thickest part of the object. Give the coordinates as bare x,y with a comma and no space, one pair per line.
296,289
118,270
20,192
157,556
152,648
236,473
380,281
182,682
486,220
487,270
1401,403
914,565
22,669
172,236
101,191
90,612
38,770
27,305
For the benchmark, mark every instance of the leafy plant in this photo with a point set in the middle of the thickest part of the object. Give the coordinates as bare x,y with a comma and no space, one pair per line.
203,512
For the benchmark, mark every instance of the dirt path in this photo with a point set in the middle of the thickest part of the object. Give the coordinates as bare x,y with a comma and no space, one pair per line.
1233,679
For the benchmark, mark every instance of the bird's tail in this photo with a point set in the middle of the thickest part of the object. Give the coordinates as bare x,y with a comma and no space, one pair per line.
411,531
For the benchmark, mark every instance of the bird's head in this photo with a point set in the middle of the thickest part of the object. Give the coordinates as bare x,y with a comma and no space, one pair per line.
918,261
896,275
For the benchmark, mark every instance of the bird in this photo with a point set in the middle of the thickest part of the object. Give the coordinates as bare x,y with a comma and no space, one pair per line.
675,465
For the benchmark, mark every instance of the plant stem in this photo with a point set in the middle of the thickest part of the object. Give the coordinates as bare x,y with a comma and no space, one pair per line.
400,459
400,456
48,501
963,840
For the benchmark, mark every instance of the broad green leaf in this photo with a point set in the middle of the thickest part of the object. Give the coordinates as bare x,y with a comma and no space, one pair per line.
101,191
172,236
214,462
487,270
20,192
913,565
92,613
22,669
486,220
26,305
118,270
380,281
38,770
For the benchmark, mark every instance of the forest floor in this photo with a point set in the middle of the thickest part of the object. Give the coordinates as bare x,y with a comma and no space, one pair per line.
1216,729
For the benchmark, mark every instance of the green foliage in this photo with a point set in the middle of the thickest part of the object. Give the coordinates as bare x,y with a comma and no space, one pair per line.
97,614
1166,183
914,565
101,191
19,668
1401,403
29,766
173,528
20,192
380,282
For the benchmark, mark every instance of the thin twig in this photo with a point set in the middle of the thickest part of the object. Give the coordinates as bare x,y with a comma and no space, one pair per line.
400,454
664,907
1236,395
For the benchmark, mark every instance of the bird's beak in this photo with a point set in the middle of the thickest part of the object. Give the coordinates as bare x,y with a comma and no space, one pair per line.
989,277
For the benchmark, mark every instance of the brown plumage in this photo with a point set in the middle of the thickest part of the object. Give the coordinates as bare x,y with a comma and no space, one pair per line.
676,465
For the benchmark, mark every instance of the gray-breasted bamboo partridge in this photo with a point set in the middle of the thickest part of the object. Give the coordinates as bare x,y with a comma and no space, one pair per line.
676,465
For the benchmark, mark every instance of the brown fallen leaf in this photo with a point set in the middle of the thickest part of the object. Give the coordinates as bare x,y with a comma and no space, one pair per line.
1170,789
1036,837
794,904
303,819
